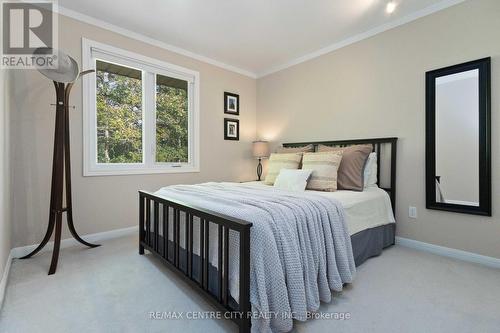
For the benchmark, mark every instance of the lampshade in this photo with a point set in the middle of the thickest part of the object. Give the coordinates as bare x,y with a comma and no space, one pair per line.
66,70
260,149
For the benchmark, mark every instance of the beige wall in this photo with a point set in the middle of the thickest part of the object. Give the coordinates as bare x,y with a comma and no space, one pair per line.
375,88
106,203
5,221
368,89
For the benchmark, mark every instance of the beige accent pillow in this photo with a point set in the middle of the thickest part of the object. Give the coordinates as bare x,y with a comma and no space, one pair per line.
281,161
351,170
324,168
303,149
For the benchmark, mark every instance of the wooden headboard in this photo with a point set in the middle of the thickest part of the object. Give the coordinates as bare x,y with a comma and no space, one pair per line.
379,146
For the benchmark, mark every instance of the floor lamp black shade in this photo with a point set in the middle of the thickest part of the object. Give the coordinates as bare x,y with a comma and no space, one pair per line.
61,176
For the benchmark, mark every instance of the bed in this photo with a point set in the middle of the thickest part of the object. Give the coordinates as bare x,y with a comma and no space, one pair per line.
370,219
211,248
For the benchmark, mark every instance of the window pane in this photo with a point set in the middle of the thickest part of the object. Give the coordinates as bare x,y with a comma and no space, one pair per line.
119,114
171,119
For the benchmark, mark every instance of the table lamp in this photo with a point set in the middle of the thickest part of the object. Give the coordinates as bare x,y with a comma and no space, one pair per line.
260,150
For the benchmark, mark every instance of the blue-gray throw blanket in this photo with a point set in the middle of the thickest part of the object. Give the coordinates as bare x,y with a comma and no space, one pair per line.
300,248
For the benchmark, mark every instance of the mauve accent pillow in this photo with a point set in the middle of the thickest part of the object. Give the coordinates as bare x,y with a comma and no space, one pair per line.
351,170
303,149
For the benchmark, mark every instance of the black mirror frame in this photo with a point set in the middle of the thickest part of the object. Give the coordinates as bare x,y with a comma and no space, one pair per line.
484,208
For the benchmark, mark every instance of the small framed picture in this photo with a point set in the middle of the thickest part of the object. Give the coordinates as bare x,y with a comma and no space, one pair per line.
231,103
231,129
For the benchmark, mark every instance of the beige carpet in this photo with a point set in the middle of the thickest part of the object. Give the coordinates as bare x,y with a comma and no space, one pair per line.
113,289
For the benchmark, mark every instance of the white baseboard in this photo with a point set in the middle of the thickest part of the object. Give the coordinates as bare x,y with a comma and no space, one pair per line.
449,252
5,277
24,250
97,237
92,238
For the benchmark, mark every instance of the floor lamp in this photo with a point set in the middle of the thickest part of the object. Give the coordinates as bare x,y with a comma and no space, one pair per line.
63,76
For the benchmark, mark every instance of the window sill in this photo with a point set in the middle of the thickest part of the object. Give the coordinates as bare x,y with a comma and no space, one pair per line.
142,171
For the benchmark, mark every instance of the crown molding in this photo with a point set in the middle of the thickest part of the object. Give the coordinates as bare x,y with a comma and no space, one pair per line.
145,39
364,35
338,45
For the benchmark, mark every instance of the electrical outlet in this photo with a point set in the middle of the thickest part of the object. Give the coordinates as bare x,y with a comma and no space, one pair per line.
412,212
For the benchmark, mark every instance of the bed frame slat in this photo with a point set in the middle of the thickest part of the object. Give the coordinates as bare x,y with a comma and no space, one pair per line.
202,248
148,222
176,230
178,236
165,231
394,149
141,225
189,246
206,256
226,265
156,224
186,239
174,237
244,301
219,261
379,163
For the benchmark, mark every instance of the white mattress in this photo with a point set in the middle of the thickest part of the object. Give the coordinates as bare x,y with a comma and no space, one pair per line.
364,210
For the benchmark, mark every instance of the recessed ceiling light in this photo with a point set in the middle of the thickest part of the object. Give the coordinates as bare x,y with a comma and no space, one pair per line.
391,7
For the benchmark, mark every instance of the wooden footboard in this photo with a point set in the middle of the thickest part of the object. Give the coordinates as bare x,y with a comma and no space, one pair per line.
160,223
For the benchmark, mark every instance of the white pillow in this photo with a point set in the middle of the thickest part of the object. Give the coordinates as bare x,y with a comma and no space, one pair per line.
370,172
292,180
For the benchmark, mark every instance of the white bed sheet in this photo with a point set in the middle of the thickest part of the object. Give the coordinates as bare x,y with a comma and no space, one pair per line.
364,210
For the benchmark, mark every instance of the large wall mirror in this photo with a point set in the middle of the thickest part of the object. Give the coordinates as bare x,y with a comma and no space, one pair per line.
458,152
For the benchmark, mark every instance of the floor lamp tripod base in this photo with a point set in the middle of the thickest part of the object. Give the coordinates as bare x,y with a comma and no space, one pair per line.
61,179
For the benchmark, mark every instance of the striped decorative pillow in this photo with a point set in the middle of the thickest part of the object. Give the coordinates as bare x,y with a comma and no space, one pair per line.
324,168
281,161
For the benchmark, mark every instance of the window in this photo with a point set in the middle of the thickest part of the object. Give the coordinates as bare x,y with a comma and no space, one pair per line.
119,114
140,114
171,120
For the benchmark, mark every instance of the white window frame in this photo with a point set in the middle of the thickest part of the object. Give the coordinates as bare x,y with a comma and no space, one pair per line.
92,50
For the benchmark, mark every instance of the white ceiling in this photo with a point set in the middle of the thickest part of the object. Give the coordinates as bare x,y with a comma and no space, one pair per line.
254,37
